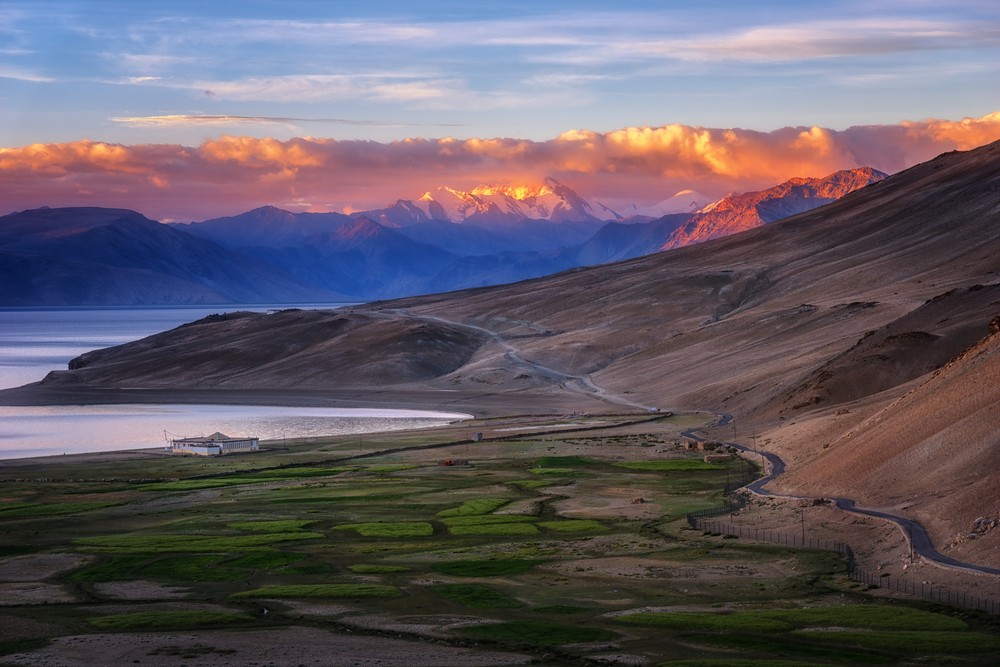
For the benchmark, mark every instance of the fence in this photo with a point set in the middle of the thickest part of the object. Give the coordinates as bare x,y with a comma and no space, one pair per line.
734,501
936,593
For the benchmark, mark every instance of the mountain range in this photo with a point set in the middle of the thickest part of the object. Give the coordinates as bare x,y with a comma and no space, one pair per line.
443,241
860,338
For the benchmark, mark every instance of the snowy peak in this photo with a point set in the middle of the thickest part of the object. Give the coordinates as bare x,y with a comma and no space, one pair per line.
493,204
685,201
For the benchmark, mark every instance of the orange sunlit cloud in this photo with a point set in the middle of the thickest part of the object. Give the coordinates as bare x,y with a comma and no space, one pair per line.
229,175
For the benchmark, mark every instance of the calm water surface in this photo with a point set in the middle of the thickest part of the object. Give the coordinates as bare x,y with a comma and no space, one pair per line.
36,341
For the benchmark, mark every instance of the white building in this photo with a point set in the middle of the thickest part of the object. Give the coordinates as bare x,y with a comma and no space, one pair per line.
214,445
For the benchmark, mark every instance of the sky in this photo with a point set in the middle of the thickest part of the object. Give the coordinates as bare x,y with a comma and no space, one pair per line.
189,110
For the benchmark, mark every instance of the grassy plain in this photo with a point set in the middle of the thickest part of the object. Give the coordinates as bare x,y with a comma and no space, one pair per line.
395,536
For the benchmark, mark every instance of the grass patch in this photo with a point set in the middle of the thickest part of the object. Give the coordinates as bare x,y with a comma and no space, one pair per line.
487,519
265,560
377,569
308,569
152,544
671,466
738,622
271,526
559,472
321,591
389,529
475,507
559,609
868,616
22,646
51,509
538,632
188,568
485,568
391,468
563,461
495,529
116,569
473,595
531,483
571,525
148,620
235,480
358,500
910,642
729,662
784,647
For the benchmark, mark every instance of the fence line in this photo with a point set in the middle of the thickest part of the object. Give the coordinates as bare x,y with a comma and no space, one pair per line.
936,593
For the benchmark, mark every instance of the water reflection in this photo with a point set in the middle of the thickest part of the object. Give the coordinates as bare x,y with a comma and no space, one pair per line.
49,430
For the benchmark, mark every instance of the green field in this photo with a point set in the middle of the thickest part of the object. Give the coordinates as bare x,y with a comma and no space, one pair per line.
389,529
160,620
473,595
321,591
395,548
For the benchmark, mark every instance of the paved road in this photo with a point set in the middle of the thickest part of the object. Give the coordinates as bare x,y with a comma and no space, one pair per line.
919,538
580,384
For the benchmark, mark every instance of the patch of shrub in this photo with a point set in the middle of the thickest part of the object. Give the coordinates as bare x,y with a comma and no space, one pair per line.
146,620
571,525
559,609
913,642
50,509
308,569
188,568
116,569
495,529
271,526
487,519
321,591
531,483
389,529
151,544
563,461
538,632
377,569
485,568
265,560
475,507
736,622
473,595
882,617
784,647
671,465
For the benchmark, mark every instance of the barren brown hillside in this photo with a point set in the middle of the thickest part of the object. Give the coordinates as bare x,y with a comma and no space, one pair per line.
846,307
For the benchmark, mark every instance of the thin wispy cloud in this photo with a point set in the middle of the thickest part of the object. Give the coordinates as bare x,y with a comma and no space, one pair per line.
180,120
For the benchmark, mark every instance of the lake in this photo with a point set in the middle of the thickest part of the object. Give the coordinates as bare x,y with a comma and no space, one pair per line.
34,341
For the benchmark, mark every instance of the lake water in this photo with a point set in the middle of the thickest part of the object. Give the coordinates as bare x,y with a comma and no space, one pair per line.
36,341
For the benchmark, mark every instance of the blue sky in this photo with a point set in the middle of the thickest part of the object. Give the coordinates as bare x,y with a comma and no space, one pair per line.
150,72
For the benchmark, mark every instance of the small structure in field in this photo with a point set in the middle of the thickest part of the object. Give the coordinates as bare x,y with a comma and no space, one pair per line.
217,444
477,436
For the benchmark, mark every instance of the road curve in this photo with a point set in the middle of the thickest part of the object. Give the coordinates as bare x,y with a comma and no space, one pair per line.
580,384
919,539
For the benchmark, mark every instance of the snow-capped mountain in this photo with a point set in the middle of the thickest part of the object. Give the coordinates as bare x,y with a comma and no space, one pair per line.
685,201
489,205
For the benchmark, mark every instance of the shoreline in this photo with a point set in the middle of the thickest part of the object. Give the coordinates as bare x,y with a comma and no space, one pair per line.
478,404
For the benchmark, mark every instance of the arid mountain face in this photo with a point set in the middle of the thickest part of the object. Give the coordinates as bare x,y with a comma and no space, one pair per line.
839,332
738,213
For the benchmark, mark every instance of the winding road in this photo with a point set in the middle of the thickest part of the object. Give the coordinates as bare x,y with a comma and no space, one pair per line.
919,539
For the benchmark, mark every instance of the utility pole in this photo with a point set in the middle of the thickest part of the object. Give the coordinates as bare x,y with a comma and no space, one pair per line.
802,516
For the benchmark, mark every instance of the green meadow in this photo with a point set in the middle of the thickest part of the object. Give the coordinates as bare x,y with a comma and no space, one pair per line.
527,550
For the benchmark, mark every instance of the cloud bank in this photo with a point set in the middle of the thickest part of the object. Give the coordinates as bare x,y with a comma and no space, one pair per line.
232,174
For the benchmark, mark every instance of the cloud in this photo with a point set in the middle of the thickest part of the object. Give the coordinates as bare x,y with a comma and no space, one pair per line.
234,173
184,120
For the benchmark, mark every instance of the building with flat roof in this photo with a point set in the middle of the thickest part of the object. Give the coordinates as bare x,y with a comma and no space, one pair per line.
216,444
